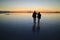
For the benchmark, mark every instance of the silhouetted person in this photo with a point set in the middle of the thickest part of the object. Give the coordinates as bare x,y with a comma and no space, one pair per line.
39,17
34,16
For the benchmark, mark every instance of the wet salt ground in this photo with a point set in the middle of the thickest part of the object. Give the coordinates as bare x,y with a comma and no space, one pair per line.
20,27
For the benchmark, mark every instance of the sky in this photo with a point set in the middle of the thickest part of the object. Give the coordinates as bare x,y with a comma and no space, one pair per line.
28,5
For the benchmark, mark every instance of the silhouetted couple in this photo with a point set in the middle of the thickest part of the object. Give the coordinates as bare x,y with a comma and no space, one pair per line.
38,16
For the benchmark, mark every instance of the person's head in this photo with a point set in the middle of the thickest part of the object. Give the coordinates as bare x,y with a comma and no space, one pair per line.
38,12
34,11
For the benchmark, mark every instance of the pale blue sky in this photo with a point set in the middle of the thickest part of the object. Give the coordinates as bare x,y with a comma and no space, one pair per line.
45,4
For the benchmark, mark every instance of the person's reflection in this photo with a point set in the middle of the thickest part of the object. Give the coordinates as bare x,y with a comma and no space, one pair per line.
34,26
38,26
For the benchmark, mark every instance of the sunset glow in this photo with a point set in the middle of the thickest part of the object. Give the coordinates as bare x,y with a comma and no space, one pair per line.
29,5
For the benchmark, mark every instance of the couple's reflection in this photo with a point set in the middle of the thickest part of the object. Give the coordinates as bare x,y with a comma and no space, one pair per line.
36,26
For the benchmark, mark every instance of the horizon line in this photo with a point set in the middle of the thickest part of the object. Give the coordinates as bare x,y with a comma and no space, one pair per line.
29,11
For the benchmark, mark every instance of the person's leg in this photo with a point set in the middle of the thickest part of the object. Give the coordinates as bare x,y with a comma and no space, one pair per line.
38,20
34,20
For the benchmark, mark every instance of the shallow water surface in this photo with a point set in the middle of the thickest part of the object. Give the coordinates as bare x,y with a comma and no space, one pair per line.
21,26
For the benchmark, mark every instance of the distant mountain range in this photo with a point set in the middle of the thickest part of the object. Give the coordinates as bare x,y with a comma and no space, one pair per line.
28,12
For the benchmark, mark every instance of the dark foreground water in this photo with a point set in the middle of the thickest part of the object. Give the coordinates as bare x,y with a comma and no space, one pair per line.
21,26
